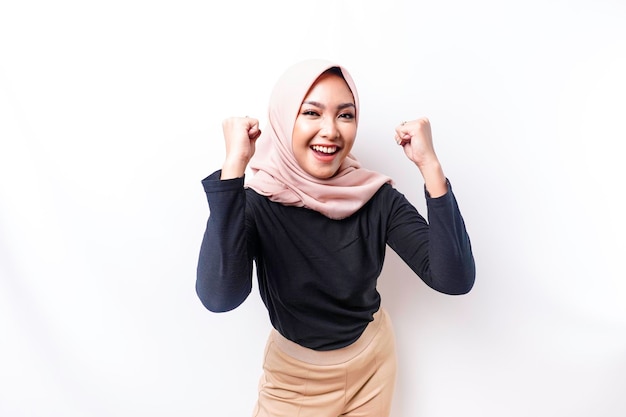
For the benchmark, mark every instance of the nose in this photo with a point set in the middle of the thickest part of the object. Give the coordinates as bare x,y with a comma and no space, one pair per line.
328,128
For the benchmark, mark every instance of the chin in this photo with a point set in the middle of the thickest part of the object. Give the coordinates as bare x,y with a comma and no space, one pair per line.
322,175
329,176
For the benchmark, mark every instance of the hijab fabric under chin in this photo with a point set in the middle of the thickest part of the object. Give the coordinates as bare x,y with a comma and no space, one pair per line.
276,173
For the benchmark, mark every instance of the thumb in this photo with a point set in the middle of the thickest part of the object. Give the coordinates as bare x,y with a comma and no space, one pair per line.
254,132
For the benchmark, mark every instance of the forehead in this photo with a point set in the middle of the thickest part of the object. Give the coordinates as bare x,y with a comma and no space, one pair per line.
331,87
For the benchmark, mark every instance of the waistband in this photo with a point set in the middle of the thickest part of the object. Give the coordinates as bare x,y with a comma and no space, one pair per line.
336,356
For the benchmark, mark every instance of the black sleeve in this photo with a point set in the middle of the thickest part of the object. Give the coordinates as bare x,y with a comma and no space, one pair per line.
438,251
224,273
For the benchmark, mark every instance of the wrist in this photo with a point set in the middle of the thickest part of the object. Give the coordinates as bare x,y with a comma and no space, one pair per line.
434,178
233,169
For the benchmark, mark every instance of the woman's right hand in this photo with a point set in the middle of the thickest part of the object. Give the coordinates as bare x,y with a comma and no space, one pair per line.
240,135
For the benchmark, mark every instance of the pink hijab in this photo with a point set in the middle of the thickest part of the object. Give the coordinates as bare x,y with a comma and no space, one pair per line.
277,174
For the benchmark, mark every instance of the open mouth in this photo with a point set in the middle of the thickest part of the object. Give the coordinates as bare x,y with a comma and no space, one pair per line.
326,150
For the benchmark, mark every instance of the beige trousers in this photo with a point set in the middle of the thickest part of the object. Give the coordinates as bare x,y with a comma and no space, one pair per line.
355,381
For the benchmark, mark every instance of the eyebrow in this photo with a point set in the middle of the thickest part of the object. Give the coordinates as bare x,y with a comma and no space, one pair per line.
320,105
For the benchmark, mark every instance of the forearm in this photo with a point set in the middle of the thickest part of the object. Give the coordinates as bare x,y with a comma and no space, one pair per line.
437,250
451,262
224,273
434,178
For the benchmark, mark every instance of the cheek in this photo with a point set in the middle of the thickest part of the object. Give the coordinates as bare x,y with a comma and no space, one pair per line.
302,132
349,135
296,138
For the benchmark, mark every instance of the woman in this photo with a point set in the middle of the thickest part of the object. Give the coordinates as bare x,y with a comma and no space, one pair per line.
316,224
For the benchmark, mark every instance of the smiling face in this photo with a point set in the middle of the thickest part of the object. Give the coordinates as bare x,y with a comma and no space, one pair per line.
325,128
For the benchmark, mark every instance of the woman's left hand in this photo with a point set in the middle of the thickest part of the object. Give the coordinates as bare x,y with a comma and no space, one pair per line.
416,139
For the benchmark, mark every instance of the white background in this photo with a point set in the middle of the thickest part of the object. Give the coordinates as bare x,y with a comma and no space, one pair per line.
110,115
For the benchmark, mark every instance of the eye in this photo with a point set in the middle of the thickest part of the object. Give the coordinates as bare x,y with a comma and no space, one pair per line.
346,116
312,113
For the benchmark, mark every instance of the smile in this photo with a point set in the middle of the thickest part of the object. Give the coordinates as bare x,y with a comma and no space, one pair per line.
329,150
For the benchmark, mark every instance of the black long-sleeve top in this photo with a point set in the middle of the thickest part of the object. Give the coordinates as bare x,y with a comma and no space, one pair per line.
318,276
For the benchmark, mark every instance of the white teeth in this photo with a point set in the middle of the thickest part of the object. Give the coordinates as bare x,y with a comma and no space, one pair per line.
324,149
